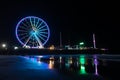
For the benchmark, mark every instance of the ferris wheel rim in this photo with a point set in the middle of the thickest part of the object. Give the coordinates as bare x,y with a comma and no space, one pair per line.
28,17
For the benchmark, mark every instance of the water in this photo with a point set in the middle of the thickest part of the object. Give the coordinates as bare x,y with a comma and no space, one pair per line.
62,67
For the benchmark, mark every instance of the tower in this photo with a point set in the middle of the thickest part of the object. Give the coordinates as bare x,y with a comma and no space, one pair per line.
94,43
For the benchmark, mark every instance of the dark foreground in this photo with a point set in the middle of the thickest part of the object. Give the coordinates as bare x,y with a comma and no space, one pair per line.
22,68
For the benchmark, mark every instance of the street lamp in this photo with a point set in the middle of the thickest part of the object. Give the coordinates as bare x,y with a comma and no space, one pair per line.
3,45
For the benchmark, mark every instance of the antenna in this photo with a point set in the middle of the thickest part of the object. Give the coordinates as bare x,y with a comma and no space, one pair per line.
94,43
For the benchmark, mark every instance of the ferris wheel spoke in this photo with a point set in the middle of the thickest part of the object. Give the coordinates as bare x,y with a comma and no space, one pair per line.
28,23
34,21
41,37
24,24
22,34
22,27
31,22
22,31
41,30
44,33
39,25
24,37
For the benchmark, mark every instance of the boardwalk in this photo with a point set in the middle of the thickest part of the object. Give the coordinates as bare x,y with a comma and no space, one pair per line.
50,52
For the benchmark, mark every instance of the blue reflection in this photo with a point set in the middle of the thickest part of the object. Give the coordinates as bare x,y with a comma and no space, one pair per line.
34,62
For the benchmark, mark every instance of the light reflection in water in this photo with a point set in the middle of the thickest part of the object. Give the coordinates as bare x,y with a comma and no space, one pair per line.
60,58
60,62
69,62
35,62
96,64
82,64
39,59
82,69
51,64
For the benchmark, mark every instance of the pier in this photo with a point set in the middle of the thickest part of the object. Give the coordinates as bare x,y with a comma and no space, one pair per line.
50,52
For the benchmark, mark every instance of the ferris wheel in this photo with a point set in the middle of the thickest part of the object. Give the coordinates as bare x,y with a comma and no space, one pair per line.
32,32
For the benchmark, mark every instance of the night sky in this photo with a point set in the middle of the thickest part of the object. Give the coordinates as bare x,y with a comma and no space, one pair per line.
76,20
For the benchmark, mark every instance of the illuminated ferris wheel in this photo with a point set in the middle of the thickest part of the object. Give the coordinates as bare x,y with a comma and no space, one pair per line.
32,32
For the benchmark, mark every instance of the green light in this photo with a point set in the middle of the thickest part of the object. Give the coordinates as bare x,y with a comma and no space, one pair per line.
82,64
82,69
81,43
82,60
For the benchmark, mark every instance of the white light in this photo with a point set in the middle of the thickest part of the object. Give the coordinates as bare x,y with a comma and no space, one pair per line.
40,47
3,45
40,56
15,48
28,47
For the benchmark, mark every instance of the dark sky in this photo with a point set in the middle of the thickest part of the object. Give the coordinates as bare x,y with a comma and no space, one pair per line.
77,20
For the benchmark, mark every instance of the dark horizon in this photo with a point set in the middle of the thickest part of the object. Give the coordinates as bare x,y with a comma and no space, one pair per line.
77,21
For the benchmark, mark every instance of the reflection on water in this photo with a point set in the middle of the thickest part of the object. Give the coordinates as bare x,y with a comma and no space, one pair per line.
36,62
82,64
73,63
96,63
62,67
51,64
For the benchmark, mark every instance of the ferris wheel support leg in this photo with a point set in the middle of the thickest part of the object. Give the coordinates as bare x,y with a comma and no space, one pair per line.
40,43
27,41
